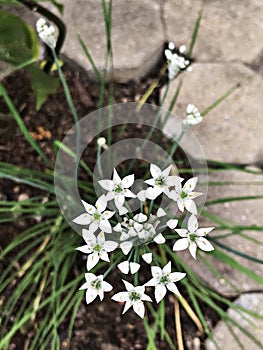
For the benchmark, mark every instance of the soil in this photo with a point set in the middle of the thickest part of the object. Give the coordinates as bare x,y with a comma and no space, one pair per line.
98,326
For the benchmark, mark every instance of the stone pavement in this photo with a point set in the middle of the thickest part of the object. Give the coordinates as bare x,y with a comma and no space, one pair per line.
228,50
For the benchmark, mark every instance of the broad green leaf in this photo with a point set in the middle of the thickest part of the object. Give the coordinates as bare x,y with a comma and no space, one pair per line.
42,84
18,40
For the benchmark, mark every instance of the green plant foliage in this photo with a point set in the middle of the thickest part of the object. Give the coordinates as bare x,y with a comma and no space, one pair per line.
59,6
18,40
10,2
42,84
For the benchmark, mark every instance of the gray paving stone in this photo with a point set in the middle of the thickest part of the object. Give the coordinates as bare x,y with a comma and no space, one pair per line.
137,35
232,131
243,213
231,30
223,336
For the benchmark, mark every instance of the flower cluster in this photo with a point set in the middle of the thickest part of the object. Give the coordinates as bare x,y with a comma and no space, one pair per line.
46,33
129,234
193,116
176,61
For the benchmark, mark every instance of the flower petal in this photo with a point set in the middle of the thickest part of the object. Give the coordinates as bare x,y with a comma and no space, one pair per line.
108,185
116,177
91,294
92,260
134,267
128,285
106,286
182,232
139,308
190,184
110,246
204,244
101,238
172,223
172,287
127,181
167,268
82,219
190,206
147,257
176,276
155,171
153,192
204,231
101,203
126,247
166,171
88,236
121,297
160,213
151,283
192,249
86,249
88,207
192,224
159,239
105,226
181,244
159,292
93,226
124,267
156,271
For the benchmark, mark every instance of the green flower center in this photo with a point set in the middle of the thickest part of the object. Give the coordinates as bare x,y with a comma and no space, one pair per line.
134,296
96,283
164,279
97,248
97,216
183,195
160,181
118,189
192,237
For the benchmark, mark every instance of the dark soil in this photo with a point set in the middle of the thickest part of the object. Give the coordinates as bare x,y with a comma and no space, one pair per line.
98,326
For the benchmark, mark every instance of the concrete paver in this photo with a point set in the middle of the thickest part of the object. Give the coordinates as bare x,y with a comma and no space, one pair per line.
222,334
231,30
232,131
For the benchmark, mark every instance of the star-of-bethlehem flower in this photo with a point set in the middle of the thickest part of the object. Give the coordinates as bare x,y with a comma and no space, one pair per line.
118,189
133,297
184,195
193,116
193,238
160,182
175,62
96,216
164,279
95,287
46,33
96,247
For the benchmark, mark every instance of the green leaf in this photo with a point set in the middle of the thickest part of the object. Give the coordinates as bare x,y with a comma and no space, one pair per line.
10,2
42,84
18,40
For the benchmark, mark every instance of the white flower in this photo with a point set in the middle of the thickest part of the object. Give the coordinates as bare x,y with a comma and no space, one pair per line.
101,141
96,247
133,297
161,182
193,116
118,189
96,217
46,33
127,266
95,287
175,63
140,228
184,195
193,238
164,279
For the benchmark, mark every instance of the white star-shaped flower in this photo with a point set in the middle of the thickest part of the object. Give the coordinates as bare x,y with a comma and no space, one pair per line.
184,195
175,63
118,189
133,297
193,238
96,247
160,182
164,279
95,287
126,267
193,116
96,216
46,33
